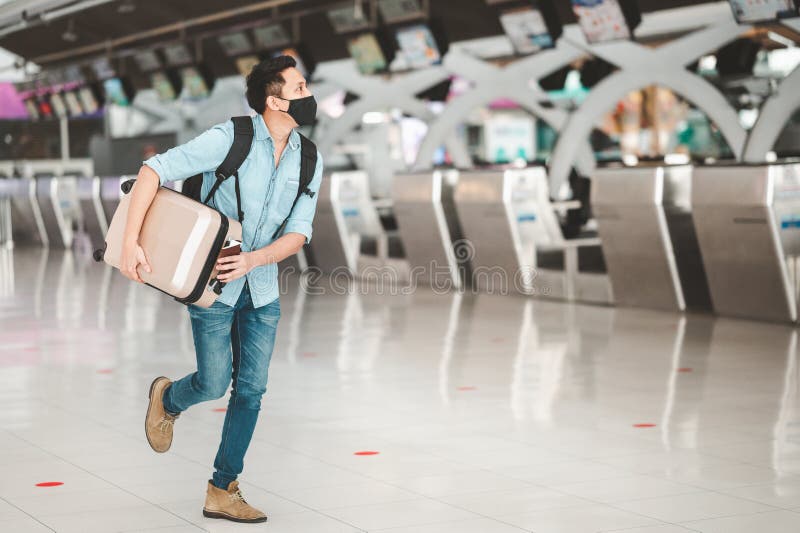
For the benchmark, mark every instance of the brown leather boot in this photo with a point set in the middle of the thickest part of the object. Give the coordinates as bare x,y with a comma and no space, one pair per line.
158,423
230,505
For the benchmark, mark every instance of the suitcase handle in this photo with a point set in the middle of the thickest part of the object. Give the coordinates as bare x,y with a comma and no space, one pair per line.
216,285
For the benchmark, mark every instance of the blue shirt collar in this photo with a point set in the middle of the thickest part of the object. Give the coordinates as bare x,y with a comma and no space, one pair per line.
262,133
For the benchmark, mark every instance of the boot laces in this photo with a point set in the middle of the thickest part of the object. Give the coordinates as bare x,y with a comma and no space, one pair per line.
167,423
237,496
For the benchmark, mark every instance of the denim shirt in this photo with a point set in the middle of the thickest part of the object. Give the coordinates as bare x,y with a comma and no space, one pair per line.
267,194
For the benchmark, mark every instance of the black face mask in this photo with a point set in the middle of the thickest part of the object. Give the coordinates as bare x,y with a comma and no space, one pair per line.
302,110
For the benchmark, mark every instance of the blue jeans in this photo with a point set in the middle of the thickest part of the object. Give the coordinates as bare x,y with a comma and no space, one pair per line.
231,344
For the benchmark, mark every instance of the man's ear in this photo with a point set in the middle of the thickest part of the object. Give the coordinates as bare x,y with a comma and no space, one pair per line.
273,103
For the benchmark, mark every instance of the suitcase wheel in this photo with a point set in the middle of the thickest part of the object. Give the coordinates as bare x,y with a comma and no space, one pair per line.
99,254
127,186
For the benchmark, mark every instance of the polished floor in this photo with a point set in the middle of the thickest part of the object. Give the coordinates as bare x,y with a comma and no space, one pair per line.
489,414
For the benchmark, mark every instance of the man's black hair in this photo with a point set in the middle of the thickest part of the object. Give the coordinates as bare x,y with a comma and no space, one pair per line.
266,80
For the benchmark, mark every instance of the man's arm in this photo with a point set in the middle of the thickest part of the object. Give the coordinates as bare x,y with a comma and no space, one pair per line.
283,247
204,152
147,183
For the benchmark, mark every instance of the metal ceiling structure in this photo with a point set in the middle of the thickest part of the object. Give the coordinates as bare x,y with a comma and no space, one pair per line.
34,29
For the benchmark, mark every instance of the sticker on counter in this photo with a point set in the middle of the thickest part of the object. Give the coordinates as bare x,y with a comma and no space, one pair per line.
526,217
350,212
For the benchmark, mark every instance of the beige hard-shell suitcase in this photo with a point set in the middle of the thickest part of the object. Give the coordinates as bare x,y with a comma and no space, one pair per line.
182,240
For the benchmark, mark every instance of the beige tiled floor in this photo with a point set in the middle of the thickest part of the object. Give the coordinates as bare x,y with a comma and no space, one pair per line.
490,413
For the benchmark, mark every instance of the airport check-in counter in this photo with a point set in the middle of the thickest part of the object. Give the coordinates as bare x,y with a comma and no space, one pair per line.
329,246
507,216
748,224
6,169
6,172
56,184
644,218
22,221
111,194
501,219
345,224
95,222
429,227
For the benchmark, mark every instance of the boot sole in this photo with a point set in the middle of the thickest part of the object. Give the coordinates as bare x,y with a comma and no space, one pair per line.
224,516
147,415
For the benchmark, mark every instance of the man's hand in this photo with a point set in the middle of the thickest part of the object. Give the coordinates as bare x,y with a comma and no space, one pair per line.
133,257
236,266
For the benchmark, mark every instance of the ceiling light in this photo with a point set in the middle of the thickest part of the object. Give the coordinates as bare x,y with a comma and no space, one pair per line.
126,7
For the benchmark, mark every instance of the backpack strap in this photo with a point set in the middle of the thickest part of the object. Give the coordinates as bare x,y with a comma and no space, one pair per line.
242,142
308,164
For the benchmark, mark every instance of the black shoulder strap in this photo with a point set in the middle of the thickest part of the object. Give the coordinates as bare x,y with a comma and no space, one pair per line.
242,142
308,164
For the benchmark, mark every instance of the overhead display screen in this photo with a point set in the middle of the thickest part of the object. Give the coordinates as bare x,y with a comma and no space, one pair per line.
601,20
147,61
177,54
195,83
527,30
367,53
418,46
245,64
748,11
116,92
165,87
271,36
394,11
234,44
346,19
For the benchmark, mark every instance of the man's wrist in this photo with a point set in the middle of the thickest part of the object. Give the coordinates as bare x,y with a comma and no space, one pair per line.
261,257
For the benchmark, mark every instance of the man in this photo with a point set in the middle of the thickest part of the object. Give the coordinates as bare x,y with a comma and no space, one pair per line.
234,338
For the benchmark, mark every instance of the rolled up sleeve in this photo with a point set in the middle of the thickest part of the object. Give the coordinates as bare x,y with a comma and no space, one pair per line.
302,217
203,153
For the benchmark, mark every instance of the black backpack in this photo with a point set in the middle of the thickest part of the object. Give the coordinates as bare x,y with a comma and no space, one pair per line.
242,143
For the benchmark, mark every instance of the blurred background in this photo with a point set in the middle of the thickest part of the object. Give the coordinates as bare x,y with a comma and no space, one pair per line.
553,280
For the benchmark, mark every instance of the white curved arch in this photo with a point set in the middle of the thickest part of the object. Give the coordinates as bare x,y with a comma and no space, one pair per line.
492,83
694,88
773,117
642,67
455,112
376,94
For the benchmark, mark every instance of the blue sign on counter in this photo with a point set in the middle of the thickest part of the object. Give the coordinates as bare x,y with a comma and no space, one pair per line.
791,221
350,212
526,217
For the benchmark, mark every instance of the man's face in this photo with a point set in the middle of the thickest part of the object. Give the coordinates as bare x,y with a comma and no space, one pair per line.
295,86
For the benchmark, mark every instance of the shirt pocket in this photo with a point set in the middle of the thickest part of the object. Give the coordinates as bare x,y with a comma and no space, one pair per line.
288,194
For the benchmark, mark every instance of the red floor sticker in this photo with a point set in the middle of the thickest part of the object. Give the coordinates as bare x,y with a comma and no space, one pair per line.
105,371
468,388
49,484
685,369
220,409
498,339
644,425
309,354
366,453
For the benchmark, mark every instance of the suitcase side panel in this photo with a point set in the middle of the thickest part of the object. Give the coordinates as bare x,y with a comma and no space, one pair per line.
177,237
